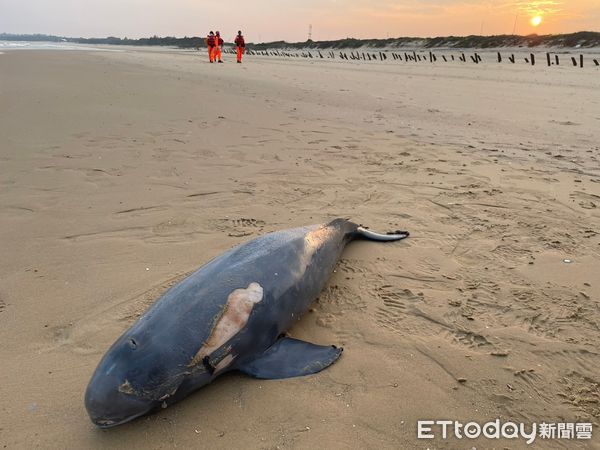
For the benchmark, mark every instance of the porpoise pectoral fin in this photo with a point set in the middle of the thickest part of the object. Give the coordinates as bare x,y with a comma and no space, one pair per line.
289,358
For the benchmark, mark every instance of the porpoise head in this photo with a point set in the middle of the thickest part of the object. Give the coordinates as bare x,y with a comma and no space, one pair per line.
135,377
179,345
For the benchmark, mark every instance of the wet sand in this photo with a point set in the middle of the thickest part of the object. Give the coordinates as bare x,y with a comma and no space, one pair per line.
121,172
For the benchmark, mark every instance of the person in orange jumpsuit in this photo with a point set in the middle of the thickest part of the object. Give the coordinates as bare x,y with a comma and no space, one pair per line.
217,49
210,44
241,46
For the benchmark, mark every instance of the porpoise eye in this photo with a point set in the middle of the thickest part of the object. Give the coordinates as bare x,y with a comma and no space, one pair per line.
132,343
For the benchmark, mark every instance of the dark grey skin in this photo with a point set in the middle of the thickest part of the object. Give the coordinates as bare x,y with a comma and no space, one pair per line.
155,363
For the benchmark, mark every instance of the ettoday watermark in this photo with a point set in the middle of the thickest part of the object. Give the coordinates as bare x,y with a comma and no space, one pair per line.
447,429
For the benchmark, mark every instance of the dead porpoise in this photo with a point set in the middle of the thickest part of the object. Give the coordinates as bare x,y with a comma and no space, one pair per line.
228,315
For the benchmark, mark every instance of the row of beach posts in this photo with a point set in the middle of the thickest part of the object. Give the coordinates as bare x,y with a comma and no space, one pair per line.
552,59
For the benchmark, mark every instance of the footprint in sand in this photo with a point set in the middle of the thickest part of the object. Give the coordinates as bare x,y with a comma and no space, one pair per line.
240,227
395,304
469,339
583,393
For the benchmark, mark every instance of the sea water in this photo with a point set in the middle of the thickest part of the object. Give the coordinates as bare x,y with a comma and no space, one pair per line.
38,45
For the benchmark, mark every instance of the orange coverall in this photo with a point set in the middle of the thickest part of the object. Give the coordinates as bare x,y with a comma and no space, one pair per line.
210,43
217,48
241,47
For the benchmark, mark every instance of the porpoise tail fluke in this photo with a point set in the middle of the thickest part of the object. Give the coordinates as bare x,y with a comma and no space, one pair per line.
372,236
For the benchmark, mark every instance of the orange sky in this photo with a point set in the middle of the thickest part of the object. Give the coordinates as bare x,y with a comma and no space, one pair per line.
267,20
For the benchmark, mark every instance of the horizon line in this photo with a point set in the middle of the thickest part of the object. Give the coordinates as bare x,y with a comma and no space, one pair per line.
306,41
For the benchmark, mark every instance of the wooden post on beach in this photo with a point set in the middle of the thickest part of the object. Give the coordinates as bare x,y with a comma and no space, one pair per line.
430,57
548,58
574,61
597,62
581,61
463,58
444,56
499,57
532,59
452,57
512,58
557,60
415,56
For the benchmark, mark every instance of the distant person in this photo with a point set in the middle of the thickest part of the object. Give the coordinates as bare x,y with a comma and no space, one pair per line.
241,46
210,44
217,50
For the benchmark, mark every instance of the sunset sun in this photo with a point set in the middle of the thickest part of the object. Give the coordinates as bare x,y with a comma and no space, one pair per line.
536,21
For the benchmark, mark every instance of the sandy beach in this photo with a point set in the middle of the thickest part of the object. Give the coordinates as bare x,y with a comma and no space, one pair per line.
123,171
